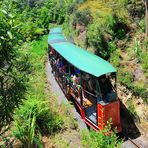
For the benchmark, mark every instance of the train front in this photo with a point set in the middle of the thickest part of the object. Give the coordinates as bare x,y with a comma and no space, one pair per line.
108,104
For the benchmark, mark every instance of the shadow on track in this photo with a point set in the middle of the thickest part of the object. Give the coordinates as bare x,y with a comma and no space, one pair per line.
129,127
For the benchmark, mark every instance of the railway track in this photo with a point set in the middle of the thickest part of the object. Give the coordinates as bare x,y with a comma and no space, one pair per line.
129,143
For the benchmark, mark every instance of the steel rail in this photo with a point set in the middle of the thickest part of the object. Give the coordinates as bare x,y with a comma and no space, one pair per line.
129,139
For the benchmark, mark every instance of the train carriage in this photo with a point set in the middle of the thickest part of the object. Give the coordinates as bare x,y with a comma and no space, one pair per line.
86,79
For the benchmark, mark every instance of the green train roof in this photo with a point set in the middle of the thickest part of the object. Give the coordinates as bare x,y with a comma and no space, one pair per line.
80,58
57,30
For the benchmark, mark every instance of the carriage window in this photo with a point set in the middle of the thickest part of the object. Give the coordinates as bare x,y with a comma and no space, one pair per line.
89,85
108,88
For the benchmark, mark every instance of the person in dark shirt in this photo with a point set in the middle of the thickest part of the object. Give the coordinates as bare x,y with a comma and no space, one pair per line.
105,87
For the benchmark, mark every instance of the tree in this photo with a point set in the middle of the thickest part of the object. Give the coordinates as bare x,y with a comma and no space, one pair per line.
146,14
13,76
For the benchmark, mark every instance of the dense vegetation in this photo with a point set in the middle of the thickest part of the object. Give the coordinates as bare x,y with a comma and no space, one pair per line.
115,30
35,117
112,29
100,140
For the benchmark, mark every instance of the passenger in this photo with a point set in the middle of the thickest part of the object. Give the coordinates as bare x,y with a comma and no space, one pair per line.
77,71
63,66
63,69
74,78
106,90
99,99
52,52
57,62
75,81
78,79
60,65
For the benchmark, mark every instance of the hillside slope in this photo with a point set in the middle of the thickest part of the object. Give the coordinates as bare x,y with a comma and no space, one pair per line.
115,30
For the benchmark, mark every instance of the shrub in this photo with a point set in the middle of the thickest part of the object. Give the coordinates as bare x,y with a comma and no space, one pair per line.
115,58
72,8
100,139
136,8
144,61
126,78
140,48
137,47
25,131
99,34
120,34
131,108
119,10
142,25
13,69
82,17
34,118
111,47
142,92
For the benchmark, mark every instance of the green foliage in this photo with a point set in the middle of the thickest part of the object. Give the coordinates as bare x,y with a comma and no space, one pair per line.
131,108
142,25
13,88
137,47
25,131
13,72
9,33
111,47
120,33
125,78
82,17
141,91
35,117
143,57
100,33
115,58
119,10
140,49
144,61
100,139
34,17
72,8
136,8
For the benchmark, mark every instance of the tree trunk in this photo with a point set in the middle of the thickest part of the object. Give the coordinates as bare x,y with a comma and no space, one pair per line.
146,14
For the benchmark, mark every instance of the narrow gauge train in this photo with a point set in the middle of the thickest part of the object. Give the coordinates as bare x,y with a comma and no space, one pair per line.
86,79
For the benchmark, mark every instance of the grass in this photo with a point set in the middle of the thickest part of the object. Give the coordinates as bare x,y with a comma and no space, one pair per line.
115,58
131,108
40,114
